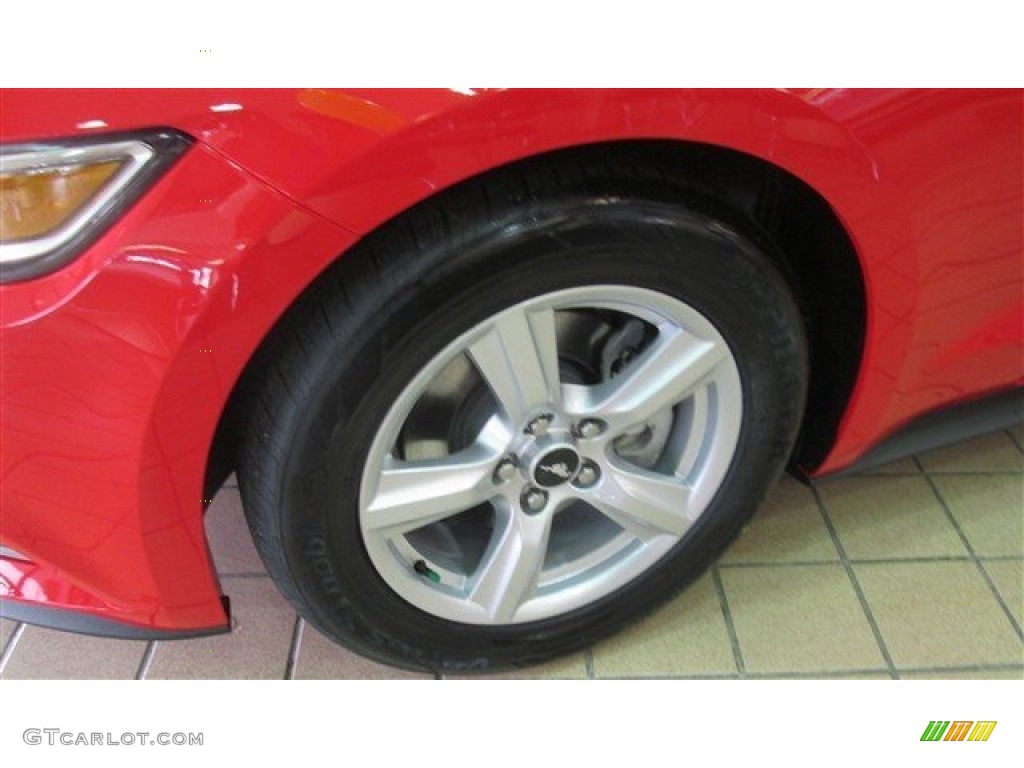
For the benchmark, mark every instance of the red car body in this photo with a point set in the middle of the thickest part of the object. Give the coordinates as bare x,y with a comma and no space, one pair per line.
118,366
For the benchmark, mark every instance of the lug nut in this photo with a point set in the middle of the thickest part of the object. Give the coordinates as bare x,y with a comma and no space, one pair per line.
534,499
589,428
505,470
587,475
539,426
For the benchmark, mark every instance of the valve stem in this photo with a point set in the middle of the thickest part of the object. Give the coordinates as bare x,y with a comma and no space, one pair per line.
421,567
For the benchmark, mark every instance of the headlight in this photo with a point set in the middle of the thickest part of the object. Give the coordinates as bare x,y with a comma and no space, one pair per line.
57,197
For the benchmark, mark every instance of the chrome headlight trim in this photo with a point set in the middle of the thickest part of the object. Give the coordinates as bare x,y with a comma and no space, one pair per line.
146,155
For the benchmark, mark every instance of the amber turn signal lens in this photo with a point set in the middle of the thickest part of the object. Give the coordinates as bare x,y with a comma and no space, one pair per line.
33,204
57,197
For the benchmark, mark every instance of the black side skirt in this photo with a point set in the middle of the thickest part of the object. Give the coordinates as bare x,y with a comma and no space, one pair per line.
942,427
86,624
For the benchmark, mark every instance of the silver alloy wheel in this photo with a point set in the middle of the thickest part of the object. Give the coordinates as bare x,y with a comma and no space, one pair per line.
550,455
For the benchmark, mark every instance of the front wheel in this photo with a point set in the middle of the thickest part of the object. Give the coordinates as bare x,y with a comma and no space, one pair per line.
491,451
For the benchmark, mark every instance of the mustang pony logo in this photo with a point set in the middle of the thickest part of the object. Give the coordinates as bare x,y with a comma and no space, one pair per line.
559,468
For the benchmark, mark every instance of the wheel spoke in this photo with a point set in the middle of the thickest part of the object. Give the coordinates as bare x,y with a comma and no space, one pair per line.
509,572
410,495
518,357
660,377
696,437
645,504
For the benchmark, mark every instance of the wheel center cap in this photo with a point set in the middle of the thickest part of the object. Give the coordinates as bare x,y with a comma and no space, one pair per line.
557,466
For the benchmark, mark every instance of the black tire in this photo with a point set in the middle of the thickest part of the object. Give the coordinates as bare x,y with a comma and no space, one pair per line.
336,363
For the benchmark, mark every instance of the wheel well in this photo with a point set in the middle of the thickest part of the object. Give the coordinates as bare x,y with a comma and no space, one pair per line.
791,219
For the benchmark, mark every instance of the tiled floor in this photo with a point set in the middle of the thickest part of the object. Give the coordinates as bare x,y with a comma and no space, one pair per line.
913,571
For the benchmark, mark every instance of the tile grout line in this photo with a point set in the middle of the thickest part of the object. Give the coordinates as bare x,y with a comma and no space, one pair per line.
146,661
588,662
864,561
973,555
293,649
964,668
734,640
246,575
848,566
831,673
825,481
12,641
865,473
1013,439
710,676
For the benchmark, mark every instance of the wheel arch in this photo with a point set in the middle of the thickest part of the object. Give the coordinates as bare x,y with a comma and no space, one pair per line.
817,257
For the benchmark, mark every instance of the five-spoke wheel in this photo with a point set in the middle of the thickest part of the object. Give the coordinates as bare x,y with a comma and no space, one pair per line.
487,444
550,455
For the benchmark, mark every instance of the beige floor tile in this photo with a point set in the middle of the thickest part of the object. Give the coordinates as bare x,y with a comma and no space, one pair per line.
990,453
1008,576
890,517
257,647
1003,673
321,659
230,540
46,654
787,528
938,614
828,676
571,667
858,676
799,619
7,627
989,510
686,637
